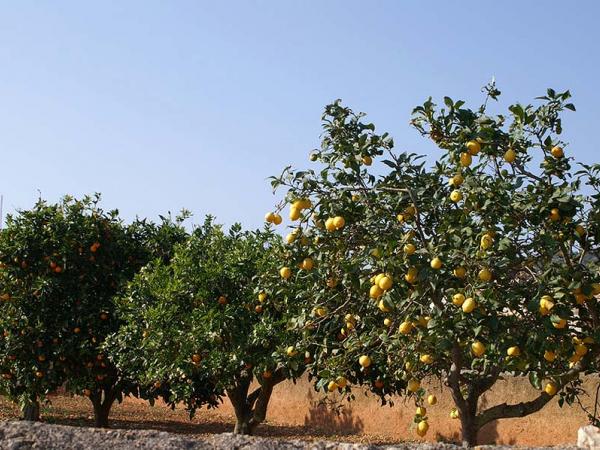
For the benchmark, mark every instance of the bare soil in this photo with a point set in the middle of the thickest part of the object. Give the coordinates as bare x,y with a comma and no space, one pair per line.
135,414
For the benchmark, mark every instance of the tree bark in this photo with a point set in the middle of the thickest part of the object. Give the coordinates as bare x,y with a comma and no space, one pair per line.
31,411
469,428
506,411
102,402
467,406
251,409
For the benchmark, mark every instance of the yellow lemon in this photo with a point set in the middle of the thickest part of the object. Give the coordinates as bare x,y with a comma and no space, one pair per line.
339,222
285,272
409,249
457,180
547,303
478,348
383,306
456,196
375,291
364,361
513,351
436,263
469,305
551,388
320,311
307,264
411,275
486,241
422,428
460,272
426,359
405,327
485,274
413,385
329,224
458,299
510,156
549,355
385,282
432,399
295,213
473,147
465,159
557,152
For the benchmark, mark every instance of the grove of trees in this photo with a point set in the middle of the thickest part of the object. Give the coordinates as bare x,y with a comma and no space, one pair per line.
393,272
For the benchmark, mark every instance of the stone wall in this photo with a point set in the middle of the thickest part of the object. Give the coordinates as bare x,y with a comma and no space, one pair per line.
28,435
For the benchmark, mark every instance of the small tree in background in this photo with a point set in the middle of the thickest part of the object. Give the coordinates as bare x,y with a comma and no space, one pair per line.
61,267
484,265
201,326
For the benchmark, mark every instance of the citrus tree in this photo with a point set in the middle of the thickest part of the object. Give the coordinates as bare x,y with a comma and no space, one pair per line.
482,265
202,327
61,266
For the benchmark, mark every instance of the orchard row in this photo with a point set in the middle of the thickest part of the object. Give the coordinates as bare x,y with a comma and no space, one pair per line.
393,271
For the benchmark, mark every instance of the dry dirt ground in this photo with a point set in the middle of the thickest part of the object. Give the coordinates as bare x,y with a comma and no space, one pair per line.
203,431
134,414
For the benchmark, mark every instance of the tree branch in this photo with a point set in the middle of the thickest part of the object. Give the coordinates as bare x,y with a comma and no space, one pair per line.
454,376
505,411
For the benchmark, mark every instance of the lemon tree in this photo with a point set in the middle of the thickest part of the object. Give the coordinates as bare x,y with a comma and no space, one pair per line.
481,265
202,327
61,266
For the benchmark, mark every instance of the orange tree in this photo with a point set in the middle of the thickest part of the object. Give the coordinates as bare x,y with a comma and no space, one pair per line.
201,327
484,264
61,266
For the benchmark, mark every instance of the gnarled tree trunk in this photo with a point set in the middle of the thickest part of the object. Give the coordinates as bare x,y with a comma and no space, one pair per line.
102,402
251,409
467,398
31,411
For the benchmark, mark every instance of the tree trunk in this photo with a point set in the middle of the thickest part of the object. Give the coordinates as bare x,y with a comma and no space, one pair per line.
467,408
469,429
31,411
102,402
251,409
242,423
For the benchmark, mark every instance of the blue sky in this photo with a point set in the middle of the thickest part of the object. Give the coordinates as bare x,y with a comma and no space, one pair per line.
163,105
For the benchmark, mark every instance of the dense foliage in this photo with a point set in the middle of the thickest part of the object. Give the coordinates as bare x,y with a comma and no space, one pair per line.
482,265
200,327
62,265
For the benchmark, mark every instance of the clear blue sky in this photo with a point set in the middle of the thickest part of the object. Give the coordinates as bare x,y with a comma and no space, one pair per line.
161,105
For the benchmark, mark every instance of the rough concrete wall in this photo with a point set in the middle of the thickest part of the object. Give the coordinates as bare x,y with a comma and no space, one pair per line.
28,435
